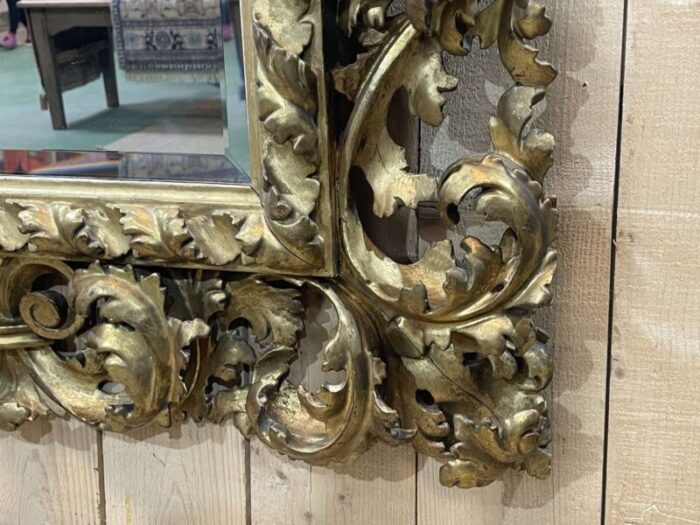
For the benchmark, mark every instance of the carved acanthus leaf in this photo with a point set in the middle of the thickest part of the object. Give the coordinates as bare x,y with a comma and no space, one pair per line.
508,22
380,158
532,149
363,13
469,363
165,234
287,98
334,424
288,23
61,228
124,368
141,347
220,237
20,398
273,313
103,232
287,95
293,193
158,233
51,227
11,238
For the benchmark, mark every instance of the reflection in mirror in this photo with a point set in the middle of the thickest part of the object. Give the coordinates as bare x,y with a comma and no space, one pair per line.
130,166
163,78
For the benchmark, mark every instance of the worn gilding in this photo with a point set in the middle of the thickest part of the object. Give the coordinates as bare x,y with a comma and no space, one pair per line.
126,312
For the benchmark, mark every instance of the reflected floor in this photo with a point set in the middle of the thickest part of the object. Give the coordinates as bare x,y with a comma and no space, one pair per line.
153,117
132,166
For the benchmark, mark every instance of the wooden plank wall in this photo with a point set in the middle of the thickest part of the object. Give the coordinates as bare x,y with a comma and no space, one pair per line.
647,471
49,473
654,451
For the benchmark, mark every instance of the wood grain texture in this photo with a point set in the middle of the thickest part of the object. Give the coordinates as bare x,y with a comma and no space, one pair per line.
377,490
280,489
582,112
654,446
49,474
194,475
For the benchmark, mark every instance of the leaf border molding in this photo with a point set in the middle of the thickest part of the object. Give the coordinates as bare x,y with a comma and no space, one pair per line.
281,223
115,309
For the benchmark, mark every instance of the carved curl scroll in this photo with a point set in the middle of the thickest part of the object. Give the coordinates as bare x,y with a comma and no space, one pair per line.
118,356
97,343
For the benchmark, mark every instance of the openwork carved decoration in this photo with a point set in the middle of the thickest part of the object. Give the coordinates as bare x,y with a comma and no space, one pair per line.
442,354
468,363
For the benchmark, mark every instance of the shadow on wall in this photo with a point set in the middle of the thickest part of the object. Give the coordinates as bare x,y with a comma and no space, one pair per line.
465,131
575,367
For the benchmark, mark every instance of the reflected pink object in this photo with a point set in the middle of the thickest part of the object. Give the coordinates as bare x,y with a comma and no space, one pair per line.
9,42
227,32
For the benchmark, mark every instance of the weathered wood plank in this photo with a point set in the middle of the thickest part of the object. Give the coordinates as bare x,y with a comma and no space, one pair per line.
279,488
49,474
194,475
654,429
378,489
582,112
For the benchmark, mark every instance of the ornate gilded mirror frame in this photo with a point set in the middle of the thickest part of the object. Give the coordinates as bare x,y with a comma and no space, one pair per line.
128,303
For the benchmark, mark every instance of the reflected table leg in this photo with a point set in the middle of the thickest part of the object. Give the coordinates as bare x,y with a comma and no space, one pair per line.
109,72
48,68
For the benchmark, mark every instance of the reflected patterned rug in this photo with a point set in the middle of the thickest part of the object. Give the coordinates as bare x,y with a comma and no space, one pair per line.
169,40
203,168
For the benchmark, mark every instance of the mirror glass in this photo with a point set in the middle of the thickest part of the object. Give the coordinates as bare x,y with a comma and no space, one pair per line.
133,89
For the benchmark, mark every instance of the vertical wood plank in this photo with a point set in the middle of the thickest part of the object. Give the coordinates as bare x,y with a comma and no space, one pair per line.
654,445
193,475
582,112
378,489
49,474
279,488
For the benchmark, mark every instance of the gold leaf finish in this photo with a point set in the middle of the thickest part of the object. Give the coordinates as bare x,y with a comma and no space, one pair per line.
287,97
210,236
200,311
470,363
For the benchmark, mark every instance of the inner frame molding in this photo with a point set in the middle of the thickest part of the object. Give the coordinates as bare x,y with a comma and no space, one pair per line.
128,304
281,222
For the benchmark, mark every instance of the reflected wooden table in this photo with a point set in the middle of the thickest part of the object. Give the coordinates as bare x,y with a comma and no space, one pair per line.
73,46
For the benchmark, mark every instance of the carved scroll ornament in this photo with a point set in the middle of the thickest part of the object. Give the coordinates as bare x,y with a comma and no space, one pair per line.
442,353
